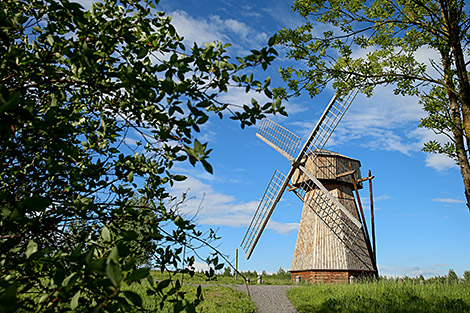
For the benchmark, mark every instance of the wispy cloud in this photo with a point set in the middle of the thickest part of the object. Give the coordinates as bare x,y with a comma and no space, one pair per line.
385,122
215,28
214,208
439,162
400,271
448,200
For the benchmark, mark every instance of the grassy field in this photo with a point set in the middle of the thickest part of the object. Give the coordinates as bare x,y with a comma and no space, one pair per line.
382,296
198,278
217,299
440,294
218,294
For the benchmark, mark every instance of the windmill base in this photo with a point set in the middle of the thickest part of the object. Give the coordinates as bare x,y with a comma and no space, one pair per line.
329,276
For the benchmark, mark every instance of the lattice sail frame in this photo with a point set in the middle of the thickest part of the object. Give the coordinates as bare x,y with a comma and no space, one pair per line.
263,212
349,229
281,139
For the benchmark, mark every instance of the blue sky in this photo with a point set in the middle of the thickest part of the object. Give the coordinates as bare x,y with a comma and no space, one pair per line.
422,223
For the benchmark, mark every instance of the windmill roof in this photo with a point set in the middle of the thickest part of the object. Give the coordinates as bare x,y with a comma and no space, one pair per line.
331,153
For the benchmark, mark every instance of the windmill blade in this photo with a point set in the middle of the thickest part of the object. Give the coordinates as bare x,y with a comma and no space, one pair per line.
268,202
327,123
282,140
347,228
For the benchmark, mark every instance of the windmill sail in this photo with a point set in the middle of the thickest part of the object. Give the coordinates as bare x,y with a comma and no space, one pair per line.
265,208
327,123
279,138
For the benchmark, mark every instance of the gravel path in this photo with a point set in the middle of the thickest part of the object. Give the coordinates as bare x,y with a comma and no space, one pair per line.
269,298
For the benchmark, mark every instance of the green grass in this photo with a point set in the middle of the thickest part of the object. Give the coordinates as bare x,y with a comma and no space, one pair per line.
219,294
217,299
382,296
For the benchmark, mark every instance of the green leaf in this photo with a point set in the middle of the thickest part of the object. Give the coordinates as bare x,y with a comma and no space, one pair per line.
162,285
130,176
37,203
133,297
70,280
179,177
207,166
138,274
113,272
114,255
105,234
50,40
31,248
74,302
272,40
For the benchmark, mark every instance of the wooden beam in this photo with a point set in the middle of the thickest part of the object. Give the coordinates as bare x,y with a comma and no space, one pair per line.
366,178
291,188
345,174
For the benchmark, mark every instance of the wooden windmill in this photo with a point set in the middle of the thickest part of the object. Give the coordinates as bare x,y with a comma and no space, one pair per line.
333,243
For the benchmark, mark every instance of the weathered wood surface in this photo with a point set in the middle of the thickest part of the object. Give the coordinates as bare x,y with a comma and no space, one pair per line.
317,246
327,165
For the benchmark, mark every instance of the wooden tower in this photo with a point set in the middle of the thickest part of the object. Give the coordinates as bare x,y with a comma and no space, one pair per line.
333,243
319,255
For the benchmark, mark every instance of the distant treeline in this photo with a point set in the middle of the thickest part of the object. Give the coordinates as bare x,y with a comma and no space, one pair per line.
450,278
280,274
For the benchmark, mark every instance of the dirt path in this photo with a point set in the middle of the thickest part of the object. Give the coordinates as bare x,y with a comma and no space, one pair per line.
269,298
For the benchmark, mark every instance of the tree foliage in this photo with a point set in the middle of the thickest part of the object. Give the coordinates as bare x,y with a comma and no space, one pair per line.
363,44
96,108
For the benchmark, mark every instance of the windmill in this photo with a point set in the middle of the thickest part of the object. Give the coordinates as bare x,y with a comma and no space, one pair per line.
333,242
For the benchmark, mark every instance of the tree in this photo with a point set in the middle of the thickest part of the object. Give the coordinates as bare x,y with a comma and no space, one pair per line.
452,277
466,277
96,108
389,33
227,272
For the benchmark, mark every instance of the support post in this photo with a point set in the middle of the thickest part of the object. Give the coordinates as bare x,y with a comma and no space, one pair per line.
372,219
365,230
236,264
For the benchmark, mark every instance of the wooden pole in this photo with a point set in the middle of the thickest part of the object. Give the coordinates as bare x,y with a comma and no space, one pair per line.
372,219
365,230
236,264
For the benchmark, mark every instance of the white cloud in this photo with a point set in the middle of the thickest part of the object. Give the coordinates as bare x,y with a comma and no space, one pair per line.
239,97
400,271
213,208
385,122
448,200
282,228
194,30
214,28
86,4
439,162
280,12
200,267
